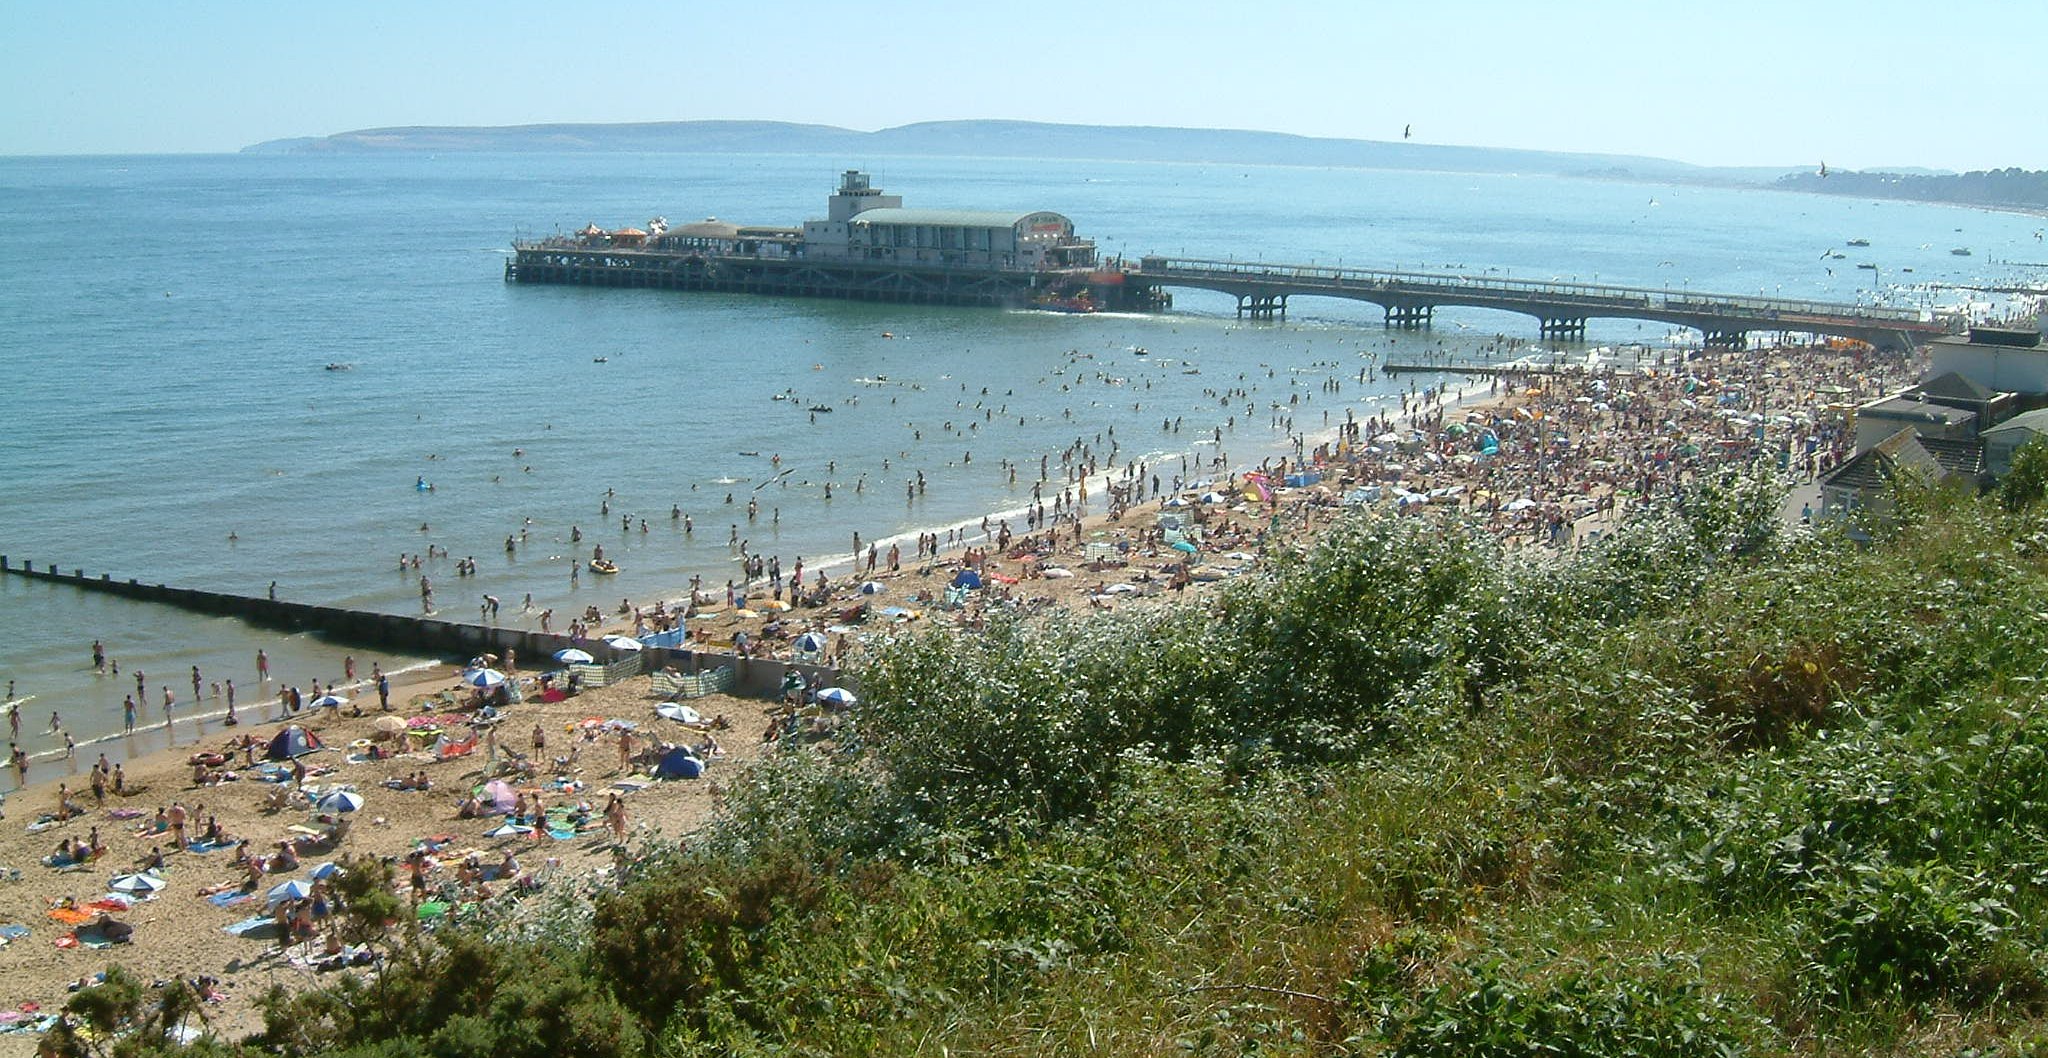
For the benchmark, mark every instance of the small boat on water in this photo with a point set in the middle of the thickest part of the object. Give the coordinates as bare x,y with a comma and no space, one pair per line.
820,407
600,359
340,367
1866,264
1859,242
1961,251
603,565
1078,303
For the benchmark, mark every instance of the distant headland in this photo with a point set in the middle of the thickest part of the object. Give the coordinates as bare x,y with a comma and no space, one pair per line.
1012,139
1999,189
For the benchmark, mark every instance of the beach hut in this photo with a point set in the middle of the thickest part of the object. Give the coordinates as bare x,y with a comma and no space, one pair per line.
293,741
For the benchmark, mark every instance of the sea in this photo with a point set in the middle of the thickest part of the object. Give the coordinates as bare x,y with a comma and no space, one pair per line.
238,371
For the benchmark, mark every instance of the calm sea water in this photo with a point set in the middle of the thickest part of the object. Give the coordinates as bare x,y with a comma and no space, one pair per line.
167,322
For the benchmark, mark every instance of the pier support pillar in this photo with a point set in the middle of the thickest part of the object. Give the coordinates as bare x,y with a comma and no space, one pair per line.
1727,339
1564,328
1261,306
1410,317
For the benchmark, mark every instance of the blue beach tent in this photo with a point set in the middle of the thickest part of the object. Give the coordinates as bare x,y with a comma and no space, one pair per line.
678,763
967,578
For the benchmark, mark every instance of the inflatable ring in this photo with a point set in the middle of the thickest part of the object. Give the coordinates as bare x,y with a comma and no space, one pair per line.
361,743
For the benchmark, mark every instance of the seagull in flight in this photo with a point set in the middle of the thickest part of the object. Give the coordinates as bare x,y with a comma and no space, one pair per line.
1406,130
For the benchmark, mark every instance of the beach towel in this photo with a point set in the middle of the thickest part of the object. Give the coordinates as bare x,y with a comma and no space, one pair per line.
230,899
203,847
250,926
124,813
13,931
70,916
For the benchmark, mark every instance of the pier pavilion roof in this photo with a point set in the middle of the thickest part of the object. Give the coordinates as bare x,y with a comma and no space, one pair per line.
944,218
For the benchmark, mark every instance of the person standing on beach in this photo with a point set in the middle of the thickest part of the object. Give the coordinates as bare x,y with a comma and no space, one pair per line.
196,698
231,703
20,762
128,715
262,667
383,693
169,701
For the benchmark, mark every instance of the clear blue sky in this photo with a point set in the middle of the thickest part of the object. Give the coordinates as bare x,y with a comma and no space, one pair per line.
1857,83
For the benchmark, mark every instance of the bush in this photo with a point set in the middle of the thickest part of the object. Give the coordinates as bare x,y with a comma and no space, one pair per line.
1908,934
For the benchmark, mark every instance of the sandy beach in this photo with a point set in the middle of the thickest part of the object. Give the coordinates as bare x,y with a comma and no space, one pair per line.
1631,435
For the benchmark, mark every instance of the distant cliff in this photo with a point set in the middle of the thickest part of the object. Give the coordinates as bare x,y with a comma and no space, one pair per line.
2020,189
1011,139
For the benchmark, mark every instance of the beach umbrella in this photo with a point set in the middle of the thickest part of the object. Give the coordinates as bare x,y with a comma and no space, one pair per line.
329,701
390,725
508,830
573,656
622,643
776,605
1185,547
324,871
837,696
296,889
1214,497
681,714
485,678
811,643
137,883
873,587
340,801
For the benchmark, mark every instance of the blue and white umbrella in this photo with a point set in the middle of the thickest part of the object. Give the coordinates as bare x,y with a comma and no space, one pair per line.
142,882
296,889
623,643
508,830
837,696
811,643
340,801
573,656
324,871
873,587
485,678
329,701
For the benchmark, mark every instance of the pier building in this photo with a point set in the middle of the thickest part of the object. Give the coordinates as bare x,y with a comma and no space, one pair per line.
867,247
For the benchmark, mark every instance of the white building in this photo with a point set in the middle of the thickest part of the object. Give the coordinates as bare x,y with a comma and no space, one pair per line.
863,223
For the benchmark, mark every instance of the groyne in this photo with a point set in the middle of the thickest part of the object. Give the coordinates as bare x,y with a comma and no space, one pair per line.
426,635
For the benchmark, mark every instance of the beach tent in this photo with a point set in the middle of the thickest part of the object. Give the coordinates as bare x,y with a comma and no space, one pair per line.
293,741
678,763
967,578
500,795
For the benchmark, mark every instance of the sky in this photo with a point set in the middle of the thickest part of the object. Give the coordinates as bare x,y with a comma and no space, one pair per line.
1863,84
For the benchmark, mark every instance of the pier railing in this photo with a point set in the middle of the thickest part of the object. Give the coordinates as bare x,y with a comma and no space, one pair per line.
1506,288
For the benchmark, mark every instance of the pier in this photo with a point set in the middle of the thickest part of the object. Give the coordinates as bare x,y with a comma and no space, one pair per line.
429,636
1410,301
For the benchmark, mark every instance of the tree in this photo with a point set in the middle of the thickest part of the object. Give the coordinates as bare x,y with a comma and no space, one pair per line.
2027,482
